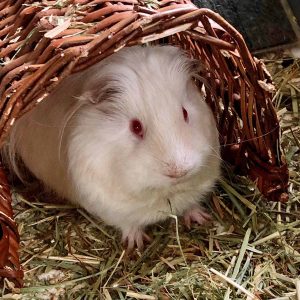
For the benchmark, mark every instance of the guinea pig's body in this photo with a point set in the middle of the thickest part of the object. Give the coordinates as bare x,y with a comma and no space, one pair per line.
130,139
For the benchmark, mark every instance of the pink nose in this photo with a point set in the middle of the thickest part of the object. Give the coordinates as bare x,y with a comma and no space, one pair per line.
176,173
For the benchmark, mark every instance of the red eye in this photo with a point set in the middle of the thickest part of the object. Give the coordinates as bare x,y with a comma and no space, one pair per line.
185,114
136,128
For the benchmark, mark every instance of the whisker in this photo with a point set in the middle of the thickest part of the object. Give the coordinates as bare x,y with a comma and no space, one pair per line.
252,139
217,154
68,117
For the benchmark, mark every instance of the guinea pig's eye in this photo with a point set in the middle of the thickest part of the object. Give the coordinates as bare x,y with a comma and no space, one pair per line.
185,114
136,128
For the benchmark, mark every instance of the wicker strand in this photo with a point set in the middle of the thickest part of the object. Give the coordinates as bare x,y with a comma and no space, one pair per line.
9,238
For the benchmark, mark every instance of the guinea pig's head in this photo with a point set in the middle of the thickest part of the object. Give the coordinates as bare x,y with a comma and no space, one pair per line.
148,124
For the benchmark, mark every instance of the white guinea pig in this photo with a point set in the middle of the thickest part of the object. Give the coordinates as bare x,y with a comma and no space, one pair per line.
130,139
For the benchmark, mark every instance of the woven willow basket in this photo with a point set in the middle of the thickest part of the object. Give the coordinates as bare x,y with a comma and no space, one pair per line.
42,42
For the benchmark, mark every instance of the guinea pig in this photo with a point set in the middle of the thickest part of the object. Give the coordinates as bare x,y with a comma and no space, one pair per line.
131,140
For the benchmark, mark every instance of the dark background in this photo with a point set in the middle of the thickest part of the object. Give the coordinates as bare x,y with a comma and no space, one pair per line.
263,23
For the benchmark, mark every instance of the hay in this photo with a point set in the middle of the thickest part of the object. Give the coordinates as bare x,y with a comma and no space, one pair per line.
251,251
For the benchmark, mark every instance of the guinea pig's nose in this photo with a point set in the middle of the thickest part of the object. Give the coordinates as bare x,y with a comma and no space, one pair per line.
176,173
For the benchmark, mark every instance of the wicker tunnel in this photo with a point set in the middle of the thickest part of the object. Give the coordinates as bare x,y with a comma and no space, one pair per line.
42,42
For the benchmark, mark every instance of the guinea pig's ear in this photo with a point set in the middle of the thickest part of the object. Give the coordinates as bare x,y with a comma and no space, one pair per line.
197,71
195,68
104,89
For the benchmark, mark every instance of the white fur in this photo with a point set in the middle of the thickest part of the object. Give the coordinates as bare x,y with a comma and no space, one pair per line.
80,145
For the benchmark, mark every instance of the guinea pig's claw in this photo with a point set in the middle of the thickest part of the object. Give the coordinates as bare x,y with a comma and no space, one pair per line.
135,239
196,215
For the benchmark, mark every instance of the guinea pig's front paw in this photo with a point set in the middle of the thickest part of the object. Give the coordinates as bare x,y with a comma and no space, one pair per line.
135,237
196,214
